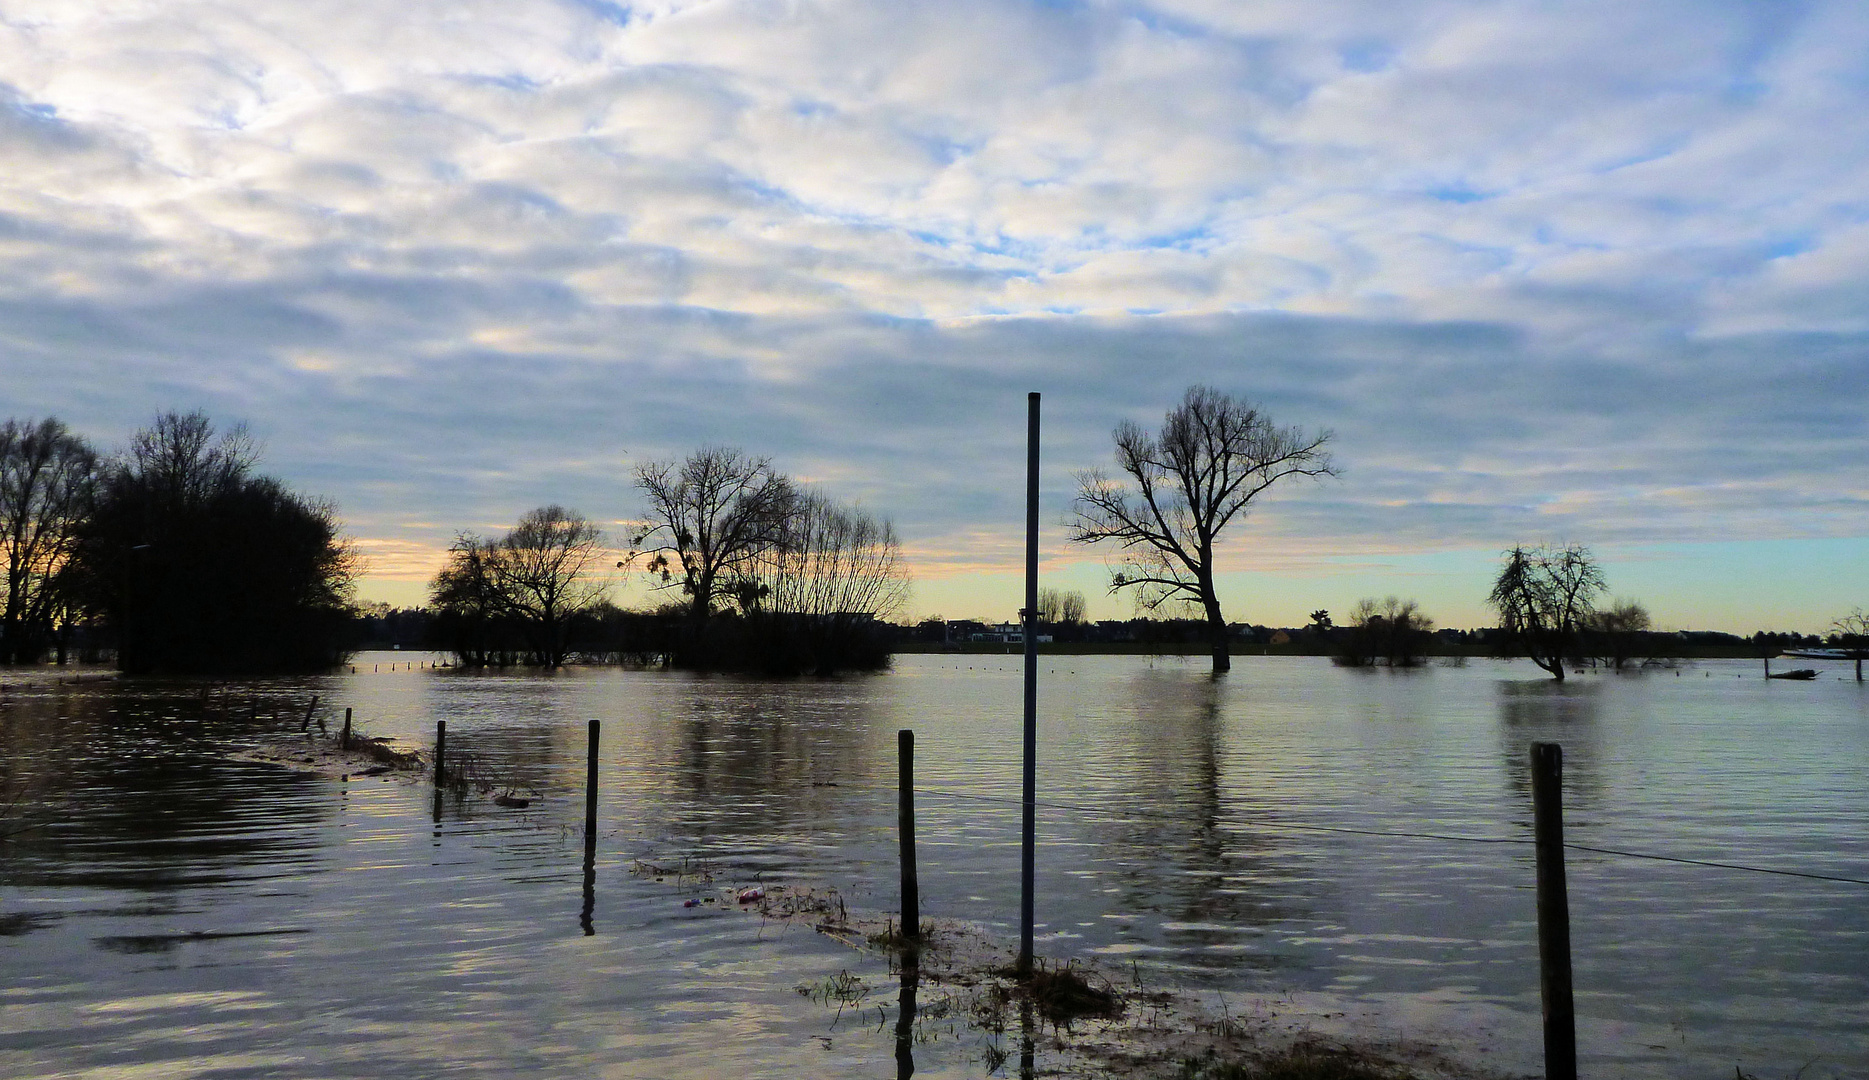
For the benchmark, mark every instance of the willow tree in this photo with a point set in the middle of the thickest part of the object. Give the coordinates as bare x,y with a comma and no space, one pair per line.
1180,489
1390,630
544,574
834,574
1546,596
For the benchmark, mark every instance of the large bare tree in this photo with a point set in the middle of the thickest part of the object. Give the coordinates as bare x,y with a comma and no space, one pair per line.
47,475
528,584
712,517
1181,488
543,573
1545,597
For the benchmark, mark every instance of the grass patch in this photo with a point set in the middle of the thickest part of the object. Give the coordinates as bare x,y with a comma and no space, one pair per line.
1063,995
381,752
1305,1060
891,938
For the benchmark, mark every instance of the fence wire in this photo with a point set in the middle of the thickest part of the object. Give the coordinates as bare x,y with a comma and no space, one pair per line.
1263,823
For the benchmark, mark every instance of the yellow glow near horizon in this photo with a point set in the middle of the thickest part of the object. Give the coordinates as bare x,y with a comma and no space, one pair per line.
1799,585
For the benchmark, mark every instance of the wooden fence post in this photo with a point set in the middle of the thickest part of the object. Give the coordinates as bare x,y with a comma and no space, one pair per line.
344,739
590,790
1554,983
441,750
905,828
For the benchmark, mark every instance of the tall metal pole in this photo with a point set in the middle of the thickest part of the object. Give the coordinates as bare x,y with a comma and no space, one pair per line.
905,831
1028,620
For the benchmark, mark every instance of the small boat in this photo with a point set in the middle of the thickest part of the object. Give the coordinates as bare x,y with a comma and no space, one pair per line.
1801,674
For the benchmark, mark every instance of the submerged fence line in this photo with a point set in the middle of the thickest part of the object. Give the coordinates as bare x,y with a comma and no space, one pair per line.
1405,835
1263,823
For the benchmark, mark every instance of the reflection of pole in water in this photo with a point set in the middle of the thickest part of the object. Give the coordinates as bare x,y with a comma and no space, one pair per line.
905,1023
1026,1069
590,828
590,888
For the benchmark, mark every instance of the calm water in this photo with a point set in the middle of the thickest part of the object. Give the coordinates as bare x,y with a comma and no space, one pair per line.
177,914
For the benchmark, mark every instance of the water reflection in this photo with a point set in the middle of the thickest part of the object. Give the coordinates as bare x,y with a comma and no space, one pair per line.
1568,713
905,1022
128,796
586,915
765,760
452,942
1181,855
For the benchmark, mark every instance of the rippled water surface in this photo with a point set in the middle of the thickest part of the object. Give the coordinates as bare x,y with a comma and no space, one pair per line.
171,912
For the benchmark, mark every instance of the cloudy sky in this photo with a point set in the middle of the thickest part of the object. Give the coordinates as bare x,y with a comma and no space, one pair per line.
1567,271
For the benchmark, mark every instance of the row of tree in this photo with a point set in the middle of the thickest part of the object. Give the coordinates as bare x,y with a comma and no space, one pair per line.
768,575
1179,488
175,551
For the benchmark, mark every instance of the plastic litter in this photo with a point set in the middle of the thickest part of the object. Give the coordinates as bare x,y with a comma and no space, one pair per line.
747,896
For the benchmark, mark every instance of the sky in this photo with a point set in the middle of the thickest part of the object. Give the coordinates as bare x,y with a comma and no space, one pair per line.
1572,272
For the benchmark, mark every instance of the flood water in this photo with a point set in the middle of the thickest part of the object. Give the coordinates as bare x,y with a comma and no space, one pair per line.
173,913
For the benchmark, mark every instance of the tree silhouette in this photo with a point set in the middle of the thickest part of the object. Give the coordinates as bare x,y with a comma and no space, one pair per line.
524,588
1193,479
1544,597
46,479
203,566
713,516
1853,630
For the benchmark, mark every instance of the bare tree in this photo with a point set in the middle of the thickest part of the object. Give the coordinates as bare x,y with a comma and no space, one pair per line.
1215,453
1544,597
1616,631
1853,630
472,618
711,516
1060,608
47,476
542,573
835,573
528,585
1390,630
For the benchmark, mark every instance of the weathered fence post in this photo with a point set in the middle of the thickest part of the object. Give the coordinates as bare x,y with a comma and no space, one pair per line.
590,789
1028,618
343,741
1554,983
441,750
905,828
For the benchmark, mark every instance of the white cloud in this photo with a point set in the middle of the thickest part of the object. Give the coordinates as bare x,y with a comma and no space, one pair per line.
1583,265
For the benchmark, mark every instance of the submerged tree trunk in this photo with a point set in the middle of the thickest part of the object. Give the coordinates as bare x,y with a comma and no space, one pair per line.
1217,629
